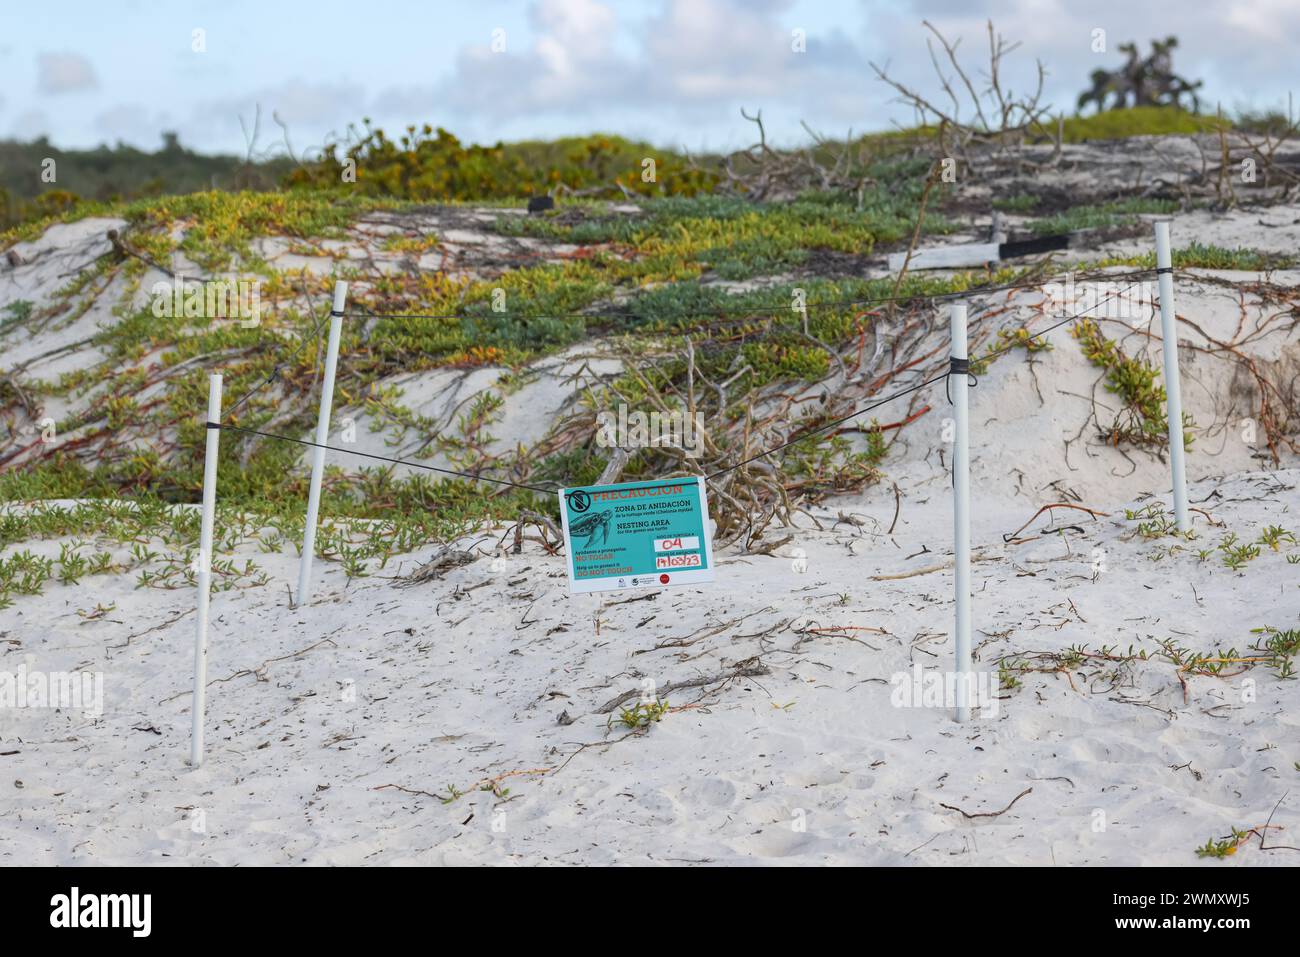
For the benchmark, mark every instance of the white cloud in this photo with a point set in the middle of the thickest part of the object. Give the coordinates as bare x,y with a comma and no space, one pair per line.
716,49
570,60
696,60
678,71
64,73
573,31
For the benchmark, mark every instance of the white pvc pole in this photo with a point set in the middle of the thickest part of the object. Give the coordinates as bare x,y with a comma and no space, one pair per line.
322,437
204,574
1173,390
961,515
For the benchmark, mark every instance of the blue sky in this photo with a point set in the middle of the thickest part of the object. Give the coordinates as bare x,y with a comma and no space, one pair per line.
675,72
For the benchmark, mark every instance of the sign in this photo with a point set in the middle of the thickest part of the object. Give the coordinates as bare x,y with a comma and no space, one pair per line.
637,535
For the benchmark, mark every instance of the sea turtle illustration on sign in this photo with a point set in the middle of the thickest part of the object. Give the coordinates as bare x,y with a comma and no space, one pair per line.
589,525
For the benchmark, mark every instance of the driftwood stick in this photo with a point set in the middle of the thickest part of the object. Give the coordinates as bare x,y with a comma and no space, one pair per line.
928,569
528,515
614,468
746,669
1046,508
970,817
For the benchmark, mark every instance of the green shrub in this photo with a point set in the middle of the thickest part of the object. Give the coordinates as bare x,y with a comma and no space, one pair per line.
427,164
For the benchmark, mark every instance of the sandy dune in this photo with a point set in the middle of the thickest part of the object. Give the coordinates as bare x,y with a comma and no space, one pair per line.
462,681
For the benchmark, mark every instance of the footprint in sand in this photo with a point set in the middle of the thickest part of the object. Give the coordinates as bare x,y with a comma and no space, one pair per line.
715,792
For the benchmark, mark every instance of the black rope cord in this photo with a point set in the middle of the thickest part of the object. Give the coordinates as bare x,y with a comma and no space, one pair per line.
830,304
955,367
975,290
920,385
381,458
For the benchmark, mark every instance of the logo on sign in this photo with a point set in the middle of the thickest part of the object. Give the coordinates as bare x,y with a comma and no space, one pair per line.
579,501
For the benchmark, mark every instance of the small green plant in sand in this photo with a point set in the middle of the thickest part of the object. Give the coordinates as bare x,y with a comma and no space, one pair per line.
1236,554
156,541
23,573
1008,339
1109,665
1273,536
1008,675
1142,421
1282,644
1155,522
1220,848
453,795
1223,847
642,714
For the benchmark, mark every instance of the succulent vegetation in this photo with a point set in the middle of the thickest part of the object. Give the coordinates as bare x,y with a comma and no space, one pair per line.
741,287
1142,420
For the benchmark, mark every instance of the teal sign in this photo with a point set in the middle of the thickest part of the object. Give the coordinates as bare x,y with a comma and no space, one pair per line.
637,535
